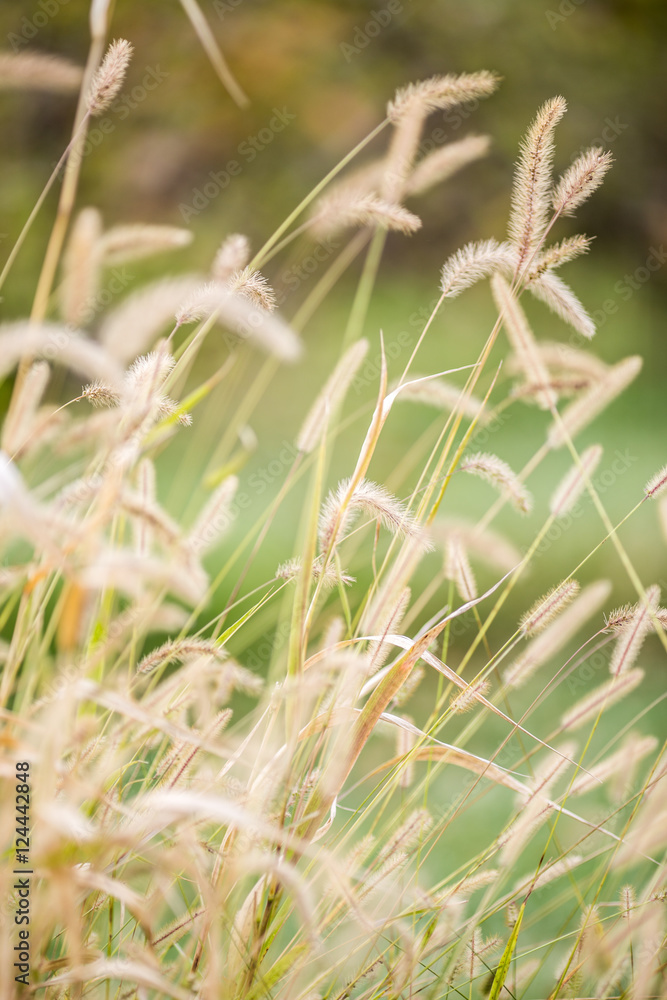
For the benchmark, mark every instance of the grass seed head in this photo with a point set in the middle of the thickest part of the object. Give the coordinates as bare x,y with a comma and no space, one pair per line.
109,78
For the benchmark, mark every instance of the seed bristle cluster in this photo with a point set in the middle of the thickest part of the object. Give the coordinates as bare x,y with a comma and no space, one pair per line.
497,472
109,78
547,608
657,484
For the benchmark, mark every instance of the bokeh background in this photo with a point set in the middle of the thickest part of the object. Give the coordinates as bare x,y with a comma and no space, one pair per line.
330,76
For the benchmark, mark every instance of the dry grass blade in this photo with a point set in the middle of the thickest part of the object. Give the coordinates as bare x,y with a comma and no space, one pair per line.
632,634
601,698
212,49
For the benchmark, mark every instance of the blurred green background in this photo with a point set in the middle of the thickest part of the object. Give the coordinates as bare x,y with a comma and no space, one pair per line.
330,76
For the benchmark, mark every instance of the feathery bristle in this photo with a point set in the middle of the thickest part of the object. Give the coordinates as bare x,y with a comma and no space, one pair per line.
550,872
582,411
532,182
473,262
180,649
556,635
633,632
580,180
345,212
458,568
254,287
486,545
405,741
133,325
521,338
634,749
560,253
388,621
563,358
109,77
469,697
548,607
562,386
559,297
59,344
372,499
440,92
657,484
20,419
38,71
499,474
619,618
534,809
291,569
99,394
232,255
330,398
602,698
81,268
243,318
573,483
444,162
445,396
409,835
132,242
216,517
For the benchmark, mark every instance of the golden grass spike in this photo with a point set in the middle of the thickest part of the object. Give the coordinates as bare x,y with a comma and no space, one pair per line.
473,262
580,180
532,182
573,483
499,474
108,79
